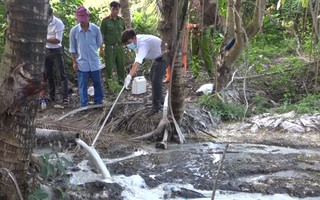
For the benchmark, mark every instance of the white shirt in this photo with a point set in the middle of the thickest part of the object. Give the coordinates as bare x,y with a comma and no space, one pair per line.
55,30
148,47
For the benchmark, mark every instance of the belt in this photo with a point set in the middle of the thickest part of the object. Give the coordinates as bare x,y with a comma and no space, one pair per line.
54,50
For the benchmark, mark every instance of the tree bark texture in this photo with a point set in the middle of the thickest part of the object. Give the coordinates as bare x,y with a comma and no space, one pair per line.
46,136
125,12
20,77
235,29
171,28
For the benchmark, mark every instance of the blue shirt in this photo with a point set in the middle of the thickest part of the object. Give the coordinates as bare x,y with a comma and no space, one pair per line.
85,45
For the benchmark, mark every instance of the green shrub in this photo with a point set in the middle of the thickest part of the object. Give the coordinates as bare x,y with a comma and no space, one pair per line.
145,22
307,105
260,104
223,110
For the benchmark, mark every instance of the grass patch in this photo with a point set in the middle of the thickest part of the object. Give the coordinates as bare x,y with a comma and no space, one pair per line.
308,105
224,111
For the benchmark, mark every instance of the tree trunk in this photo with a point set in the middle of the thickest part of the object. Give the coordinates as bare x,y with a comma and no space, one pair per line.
235,30
20,79
171,28
125,12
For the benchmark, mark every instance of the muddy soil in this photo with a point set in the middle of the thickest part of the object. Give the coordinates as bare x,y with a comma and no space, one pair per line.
266,162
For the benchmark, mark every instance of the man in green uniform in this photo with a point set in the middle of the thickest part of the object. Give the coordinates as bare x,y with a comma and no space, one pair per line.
113,51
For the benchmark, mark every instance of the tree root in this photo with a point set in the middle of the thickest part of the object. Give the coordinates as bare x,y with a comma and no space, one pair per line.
162,127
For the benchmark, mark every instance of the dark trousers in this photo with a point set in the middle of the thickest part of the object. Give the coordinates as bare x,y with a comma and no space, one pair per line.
55,68
158,70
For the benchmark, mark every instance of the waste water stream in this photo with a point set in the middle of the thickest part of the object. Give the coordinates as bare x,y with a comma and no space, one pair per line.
188,171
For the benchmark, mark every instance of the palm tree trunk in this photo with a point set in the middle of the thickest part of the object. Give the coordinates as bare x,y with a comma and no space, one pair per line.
20,79
171,28
125,12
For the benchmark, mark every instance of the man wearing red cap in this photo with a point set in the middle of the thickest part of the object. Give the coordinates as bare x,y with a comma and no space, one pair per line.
85,40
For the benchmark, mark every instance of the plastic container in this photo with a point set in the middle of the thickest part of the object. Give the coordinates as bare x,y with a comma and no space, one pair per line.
139,85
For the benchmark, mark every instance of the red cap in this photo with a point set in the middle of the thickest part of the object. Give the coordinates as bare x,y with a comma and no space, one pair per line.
82,14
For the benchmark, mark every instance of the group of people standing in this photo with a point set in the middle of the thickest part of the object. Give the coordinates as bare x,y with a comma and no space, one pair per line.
111,38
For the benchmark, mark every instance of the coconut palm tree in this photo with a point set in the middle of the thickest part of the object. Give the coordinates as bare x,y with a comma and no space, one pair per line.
174,14
125,12
20,82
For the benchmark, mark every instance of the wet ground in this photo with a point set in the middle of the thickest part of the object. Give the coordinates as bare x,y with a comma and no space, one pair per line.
265,165
188,171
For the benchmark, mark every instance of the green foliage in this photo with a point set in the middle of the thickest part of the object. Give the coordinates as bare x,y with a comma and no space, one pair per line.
3,26
195,65
309,104
144,22
260,104
114,86
225,111
144,69
304,3
39,194
52,169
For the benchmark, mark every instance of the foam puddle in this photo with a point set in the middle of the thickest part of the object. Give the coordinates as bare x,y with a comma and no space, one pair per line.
135,187
135,154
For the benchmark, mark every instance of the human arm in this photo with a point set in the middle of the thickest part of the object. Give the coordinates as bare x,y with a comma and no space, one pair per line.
59,28
103,31
134,69
73,50
53,40
74,62
102,52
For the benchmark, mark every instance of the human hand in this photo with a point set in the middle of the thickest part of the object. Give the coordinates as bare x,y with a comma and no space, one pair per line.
127,81
192,26
102,53
75,67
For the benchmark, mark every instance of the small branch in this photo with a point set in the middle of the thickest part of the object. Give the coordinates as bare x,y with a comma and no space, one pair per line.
208,133
232,78
94,106
218,172
164,143
11,175
145,136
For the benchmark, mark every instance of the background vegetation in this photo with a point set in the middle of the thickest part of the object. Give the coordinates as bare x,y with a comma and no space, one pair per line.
280,50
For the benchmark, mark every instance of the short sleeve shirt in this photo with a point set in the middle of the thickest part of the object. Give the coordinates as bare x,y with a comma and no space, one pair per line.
111,29
148,47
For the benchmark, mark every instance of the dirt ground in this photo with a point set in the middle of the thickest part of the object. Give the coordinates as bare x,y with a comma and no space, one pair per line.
266,161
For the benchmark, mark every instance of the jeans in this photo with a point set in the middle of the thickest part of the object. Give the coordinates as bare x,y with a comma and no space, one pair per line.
83,86
54,65
158,70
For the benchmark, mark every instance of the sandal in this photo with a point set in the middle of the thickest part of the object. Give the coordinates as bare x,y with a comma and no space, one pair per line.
65,102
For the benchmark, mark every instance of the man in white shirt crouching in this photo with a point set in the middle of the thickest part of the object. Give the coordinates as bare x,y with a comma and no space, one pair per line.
147,47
